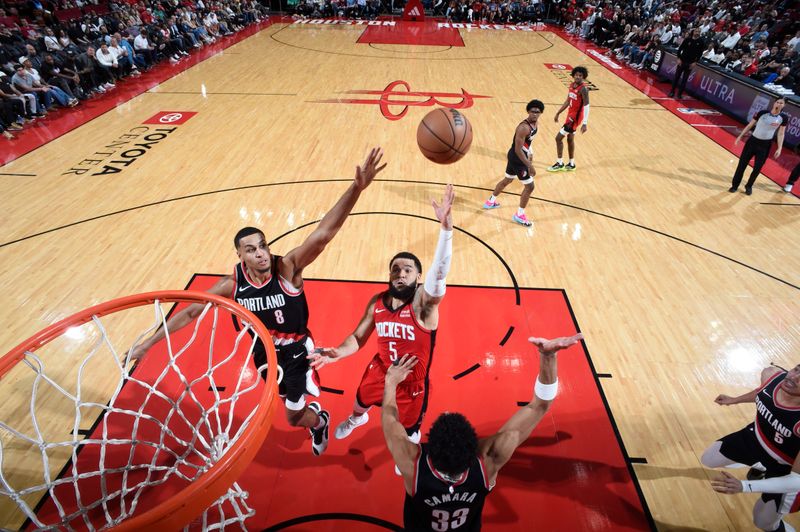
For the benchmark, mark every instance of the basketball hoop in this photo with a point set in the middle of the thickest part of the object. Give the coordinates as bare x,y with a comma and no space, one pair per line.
167,447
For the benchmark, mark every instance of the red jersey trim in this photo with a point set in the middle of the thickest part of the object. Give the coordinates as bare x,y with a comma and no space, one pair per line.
775,398
770,380
416,471
436,474
235,282
288,288
485,476
251,283
767,445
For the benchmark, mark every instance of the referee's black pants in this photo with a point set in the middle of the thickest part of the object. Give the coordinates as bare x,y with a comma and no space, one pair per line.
757,148
794,175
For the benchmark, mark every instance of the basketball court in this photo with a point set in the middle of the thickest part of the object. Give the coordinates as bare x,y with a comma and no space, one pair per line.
682,290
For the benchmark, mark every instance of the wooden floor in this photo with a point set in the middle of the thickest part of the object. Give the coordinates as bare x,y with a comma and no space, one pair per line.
682,290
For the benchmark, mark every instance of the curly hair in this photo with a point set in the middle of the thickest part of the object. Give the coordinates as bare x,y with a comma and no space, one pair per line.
535,104
580,70
452,443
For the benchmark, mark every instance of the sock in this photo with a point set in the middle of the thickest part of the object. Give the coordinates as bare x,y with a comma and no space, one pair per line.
320,422
492,198
572,162
520,212
359,410
559,161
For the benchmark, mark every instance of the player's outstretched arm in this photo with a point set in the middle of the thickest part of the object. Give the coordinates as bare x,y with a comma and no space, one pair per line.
403,451
300,257
224,287
749,397
497,449
355,341
729,484
436,278
750,125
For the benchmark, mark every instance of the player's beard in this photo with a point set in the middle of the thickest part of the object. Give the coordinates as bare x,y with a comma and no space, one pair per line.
403,294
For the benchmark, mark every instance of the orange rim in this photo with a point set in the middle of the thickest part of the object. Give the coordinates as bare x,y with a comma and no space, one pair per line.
180,509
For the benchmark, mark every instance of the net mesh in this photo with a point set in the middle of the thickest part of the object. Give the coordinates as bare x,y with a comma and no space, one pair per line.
166,423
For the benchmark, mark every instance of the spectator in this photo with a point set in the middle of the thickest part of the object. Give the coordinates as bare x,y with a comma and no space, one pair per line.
784,79
689,52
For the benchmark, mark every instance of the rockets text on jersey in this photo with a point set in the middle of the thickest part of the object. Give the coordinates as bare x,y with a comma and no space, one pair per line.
399,333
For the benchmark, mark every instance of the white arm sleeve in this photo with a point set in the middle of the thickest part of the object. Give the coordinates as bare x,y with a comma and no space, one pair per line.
585,115
786,484
436,279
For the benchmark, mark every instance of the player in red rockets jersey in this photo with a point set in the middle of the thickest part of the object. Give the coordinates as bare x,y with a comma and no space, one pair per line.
405,318
577,105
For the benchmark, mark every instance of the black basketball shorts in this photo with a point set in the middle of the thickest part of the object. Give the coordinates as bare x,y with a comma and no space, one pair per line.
292,359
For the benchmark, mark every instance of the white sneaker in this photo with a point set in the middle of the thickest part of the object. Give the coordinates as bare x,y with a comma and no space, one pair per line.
788,188
348,425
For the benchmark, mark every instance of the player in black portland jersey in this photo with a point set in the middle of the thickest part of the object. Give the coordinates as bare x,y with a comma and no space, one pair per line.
448,478
520,162
771,444
271,287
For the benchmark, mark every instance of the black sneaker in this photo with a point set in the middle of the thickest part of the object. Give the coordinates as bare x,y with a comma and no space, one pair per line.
733,189
756,474
319,437
748,191
569,167
557,167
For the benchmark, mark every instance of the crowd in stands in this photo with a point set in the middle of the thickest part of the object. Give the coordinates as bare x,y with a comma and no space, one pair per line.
759,40
47,60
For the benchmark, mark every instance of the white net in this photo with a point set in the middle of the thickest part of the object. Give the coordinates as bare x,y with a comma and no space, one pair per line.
161,427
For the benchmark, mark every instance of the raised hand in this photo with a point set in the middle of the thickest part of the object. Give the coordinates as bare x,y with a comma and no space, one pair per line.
321,356
367,171
551,347
442,209
725,400
727,483
398,371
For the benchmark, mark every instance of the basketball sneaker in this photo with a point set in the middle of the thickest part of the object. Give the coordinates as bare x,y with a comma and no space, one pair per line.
569,167
348,425
521,219
319,437
788,188
557,167
490,204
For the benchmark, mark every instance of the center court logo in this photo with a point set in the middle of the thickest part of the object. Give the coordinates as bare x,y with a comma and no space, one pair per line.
127,148
391,98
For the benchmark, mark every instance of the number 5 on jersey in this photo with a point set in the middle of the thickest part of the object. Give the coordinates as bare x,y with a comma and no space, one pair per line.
393,352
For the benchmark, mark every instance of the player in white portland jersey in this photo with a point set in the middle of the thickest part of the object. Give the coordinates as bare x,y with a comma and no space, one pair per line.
276,286
771,444
405,318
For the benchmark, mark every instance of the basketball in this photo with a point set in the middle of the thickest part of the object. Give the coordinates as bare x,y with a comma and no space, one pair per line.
444,136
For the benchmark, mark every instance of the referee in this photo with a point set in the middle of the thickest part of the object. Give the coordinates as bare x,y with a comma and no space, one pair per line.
764,126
